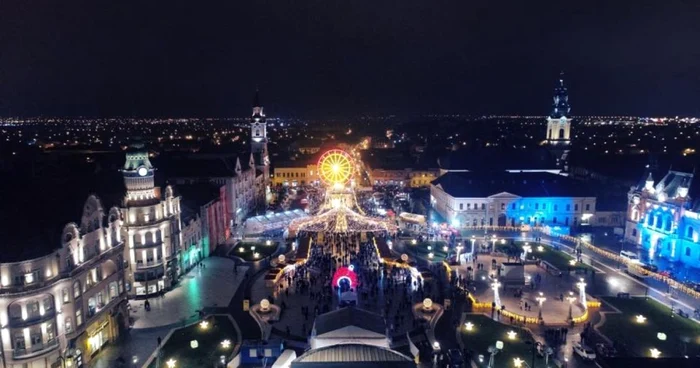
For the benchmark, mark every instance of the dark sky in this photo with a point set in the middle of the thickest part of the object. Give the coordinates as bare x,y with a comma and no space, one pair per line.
322,58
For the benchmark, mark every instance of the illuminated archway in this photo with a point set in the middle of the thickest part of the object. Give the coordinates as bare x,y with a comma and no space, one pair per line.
345,273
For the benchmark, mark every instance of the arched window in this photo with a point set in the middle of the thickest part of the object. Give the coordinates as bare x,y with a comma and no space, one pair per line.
257,132
561,133
690,232
687,251
634,232
668,223
549,134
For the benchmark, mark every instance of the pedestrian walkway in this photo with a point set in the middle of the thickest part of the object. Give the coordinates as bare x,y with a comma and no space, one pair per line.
213,286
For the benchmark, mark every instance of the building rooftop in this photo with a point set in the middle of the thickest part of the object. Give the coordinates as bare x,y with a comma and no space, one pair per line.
349,316
353,355
524,184
193,196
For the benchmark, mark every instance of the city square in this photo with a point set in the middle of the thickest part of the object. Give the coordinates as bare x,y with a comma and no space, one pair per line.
334,184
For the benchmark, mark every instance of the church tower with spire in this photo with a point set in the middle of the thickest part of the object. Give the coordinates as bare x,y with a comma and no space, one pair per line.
559,122
258,142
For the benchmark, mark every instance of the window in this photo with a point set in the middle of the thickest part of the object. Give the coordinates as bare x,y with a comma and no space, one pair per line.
48,304
50,331
69,325
469,206
512,206
66,298
687,251
690,232
568,207
19,341
566,221
576,207
36,337
483,206
544,206
554,220
634,232
461,206
588,207
537,206
78,317
76,289
556,207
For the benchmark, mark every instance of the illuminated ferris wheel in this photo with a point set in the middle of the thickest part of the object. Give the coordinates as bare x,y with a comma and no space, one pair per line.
335,167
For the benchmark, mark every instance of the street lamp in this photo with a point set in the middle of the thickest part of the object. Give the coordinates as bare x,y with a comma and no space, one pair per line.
494,349
496,297
655,353
540,299
582,290
526,249
459,249
493,239
571,298
473,239
518,362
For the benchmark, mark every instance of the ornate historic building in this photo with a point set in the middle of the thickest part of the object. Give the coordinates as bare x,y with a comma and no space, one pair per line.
59,309
258,137
663,217
152,227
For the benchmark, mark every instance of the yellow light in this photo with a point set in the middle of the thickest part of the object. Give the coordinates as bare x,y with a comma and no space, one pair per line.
540,248
226,344
518,362
512,335
204,325
171,363
640,318
469,326
572,262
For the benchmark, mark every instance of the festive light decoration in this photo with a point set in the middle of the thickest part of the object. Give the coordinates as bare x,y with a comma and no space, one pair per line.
335,167
226,344
204,325
469,326
640,318
345,273
512,335
171,363
518,362
655,353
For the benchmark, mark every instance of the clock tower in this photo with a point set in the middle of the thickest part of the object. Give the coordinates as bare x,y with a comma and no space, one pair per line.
258,141
559,122
138,175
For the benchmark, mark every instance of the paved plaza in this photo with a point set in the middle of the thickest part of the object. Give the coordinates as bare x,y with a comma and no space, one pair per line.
213,286
200,288
555,310
391,299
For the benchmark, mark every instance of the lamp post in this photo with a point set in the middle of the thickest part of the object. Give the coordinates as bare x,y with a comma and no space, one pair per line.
496,297
493,239
494,349
540,299
571,298
582,290
459,249
473,240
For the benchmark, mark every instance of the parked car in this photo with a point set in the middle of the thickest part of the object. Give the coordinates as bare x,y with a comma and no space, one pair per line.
650,267
584,352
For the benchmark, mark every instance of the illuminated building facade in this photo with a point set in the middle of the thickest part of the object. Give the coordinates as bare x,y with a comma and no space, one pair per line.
295,173
558,122
510,199
663,218
152,229
66,304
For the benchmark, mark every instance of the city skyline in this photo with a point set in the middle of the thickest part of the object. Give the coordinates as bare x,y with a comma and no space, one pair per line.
329,59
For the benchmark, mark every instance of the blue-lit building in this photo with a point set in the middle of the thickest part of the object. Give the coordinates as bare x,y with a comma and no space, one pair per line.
663,217
512,198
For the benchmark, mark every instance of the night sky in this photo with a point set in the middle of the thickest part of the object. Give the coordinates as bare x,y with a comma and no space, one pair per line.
342,58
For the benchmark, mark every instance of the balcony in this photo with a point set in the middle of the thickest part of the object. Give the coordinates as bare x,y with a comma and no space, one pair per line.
151,244
149,264
18,322
35,350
